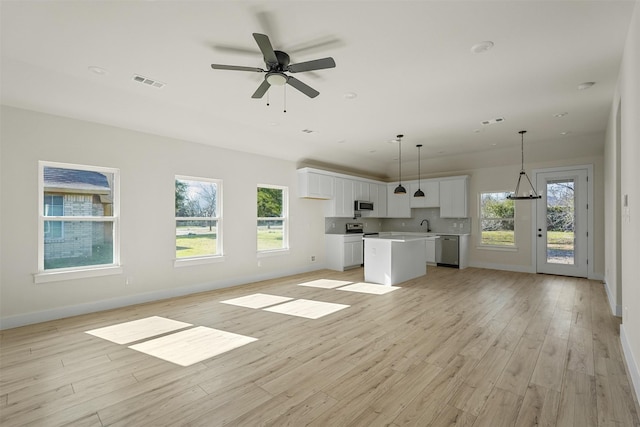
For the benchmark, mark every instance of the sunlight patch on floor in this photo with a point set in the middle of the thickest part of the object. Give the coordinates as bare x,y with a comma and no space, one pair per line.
307,308
369,288
136,330
193,345
325,283
257,300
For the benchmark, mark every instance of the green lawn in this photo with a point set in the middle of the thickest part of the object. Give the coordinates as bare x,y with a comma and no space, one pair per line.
205,244
100,255
557,239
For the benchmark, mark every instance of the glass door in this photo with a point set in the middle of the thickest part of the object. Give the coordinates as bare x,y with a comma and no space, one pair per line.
561,223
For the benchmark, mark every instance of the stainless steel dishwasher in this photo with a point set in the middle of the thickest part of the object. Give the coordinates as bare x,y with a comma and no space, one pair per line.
447,251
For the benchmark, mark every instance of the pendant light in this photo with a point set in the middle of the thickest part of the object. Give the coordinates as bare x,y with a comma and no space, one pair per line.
532,194
400,189
419,193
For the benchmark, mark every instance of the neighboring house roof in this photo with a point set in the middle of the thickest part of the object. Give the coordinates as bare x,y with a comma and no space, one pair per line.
76,181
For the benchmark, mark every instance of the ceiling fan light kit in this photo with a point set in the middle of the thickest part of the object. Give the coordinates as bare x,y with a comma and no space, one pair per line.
533,195
277,64
400,189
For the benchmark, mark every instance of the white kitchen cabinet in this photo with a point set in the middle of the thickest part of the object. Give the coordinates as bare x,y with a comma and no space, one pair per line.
453,197
361,191
431,250
341,205
314,185
398,205
431,189
378,196
343,252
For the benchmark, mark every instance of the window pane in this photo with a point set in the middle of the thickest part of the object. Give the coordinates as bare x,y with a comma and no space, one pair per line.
270,235
561,221
73,192
195,238
196,198
270,202
83,243
497,232
496,205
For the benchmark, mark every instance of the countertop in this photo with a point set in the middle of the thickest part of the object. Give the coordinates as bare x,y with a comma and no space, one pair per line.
402,237
404,233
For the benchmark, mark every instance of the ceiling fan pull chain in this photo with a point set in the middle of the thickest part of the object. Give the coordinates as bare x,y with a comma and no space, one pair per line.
285,98
267,99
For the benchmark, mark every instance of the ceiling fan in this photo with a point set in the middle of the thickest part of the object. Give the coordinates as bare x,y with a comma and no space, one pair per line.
277,64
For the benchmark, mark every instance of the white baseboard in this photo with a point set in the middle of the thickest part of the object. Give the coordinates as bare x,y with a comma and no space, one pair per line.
616,309
9,322
505,267
632,365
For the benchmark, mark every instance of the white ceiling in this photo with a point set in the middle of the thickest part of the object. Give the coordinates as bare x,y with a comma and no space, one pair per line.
409,62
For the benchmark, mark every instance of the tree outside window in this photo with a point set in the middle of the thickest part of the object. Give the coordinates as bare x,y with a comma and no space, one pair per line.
272,213
497,219
198,219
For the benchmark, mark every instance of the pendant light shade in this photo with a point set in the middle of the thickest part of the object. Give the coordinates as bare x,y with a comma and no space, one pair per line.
532,193
419,193
400,189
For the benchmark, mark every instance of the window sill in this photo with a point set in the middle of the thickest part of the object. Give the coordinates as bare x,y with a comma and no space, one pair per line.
188,262
58,276
498,248
274,252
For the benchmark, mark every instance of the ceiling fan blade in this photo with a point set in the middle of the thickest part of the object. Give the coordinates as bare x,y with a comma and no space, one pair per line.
316,64
315,45
303,87
265,47
234,49
236,68
262,89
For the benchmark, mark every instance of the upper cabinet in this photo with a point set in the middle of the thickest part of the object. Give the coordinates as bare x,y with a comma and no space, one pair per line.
378,196
314,185
341,205
398,205
431,190
453,197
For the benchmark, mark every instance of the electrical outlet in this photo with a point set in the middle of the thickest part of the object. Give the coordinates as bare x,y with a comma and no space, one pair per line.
128,280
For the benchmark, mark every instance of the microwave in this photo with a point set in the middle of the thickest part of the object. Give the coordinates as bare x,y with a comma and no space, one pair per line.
360,205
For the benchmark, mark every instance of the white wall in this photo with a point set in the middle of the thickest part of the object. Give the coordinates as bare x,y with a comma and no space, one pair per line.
625,289
148,165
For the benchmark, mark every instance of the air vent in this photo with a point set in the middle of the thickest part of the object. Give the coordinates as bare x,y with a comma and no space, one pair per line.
307,131
147,81
492,121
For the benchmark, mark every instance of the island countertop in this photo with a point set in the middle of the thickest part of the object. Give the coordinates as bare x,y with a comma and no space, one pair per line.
401,237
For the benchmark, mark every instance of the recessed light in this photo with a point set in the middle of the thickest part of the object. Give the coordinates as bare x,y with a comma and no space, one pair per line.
342,141
98,70
274,123
494,144
477,130
586,85
566,132
372,151
482,47
441,152
350,95
560,114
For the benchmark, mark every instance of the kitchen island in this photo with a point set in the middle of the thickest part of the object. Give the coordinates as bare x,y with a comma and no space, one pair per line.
389,260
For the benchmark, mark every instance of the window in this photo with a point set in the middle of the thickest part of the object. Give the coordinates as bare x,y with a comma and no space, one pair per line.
497,222
198,217
53,206
78,218
272,218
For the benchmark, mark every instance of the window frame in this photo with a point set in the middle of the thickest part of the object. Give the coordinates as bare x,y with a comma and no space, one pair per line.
57,274
483,245
284,218
47,224
203,259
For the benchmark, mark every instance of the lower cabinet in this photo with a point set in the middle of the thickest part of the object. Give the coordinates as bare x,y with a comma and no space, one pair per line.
343,252
431,251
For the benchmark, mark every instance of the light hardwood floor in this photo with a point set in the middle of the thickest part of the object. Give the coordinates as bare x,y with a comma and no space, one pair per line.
472,348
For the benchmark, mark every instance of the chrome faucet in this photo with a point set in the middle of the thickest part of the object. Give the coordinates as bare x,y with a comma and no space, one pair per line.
427,221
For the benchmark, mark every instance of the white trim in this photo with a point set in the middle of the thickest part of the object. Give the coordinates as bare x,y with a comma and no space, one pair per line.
96,306
505,267
590,220
632,366
75,273
189,261
616,309
503,248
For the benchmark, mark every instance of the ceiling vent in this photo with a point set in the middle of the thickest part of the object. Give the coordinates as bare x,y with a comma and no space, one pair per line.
147,81
307,130
492,121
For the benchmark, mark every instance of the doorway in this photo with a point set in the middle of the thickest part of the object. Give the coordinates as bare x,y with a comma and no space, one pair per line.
562,221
